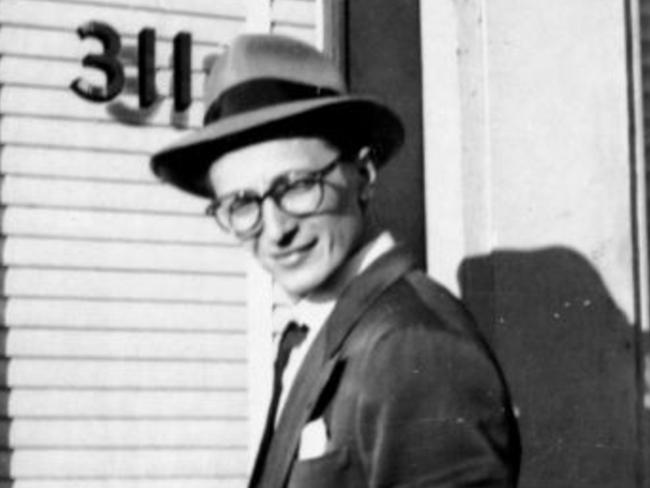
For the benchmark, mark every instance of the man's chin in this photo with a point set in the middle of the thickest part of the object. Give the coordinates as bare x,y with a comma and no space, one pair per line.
296,291
298,287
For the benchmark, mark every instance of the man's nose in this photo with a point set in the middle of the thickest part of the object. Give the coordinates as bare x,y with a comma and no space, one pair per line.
278,226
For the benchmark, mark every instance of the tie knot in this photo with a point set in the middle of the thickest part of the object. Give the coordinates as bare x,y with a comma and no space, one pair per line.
292,336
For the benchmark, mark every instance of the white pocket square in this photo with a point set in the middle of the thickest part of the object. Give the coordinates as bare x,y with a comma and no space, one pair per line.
313,440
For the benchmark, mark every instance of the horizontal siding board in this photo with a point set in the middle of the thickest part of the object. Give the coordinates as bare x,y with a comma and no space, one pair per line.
66,46
140,463
128,434
295,12
87,314
62,45
43,191
59,73
122,285
234,8
111,226
55,103
126,375
114,255
71,404
189,482
51,14
100,136
39,161
123,345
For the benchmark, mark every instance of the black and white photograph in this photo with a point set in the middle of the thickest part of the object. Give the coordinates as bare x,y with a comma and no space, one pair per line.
325,243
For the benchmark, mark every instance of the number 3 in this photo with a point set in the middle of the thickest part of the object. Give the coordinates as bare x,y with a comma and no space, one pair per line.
107,62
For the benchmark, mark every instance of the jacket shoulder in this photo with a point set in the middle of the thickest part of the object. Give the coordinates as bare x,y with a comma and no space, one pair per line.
417,337
417,301
417,324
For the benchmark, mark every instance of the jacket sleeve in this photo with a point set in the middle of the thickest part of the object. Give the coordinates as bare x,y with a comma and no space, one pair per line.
432,413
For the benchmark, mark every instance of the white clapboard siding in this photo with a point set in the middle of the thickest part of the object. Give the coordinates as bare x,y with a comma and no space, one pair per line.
102,136
99,195
24,71
69,15
136,463
124,306
221,482
50,162
234,8
96,434
28,101
111,285
32,251
294,12
134,376
295,18
122,315
119,345
109,225
58,73
95,404
58,45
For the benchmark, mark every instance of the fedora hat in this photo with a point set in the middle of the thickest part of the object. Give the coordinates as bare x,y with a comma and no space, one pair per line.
268,86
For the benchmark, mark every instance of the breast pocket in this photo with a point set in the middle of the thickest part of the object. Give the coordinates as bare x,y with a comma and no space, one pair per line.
332,470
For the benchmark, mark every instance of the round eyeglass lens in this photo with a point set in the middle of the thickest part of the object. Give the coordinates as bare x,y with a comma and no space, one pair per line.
243,216
302,197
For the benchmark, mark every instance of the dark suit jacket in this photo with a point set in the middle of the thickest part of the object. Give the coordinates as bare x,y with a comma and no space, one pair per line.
409,392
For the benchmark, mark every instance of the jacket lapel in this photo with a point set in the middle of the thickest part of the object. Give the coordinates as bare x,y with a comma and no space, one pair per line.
321,361
302,398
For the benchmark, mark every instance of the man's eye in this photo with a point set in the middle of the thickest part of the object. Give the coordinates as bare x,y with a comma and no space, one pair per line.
302,184
242,203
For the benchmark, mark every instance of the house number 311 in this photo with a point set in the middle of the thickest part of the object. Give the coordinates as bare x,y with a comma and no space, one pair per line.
109,62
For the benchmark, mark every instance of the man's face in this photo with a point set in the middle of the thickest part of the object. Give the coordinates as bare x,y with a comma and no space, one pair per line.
301,253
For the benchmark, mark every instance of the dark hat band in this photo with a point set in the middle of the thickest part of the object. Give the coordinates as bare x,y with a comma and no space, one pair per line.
261,93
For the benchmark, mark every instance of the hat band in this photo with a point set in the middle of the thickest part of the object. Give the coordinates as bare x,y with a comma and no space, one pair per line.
256,94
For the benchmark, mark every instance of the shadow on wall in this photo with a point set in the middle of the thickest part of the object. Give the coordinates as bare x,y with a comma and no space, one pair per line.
570,357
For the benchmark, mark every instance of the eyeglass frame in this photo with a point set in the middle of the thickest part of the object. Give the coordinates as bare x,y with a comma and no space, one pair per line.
281,185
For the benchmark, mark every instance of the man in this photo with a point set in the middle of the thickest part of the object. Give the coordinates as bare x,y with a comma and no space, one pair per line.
391,387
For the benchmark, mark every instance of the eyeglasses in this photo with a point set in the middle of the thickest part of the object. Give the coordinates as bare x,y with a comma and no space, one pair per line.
297,193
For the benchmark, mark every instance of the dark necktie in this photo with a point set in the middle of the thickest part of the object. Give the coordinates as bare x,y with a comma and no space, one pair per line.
292,336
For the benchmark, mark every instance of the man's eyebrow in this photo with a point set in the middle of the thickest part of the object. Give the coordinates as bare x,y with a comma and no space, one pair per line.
249,191
278,179
282,178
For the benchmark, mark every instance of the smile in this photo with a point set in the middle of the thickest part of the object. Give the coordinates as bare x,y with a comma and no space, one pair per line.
293,257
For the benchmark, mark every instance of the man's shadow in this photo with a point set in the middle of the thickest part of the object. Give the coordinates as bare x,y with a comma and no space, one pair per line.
572,362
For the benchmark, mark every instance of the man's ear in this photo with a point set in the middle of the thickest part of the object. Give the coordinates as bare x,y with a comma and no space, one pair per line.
368,171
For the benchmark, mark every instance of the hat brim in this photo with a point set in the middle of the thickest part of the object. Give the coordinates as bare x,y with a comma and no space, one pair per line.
185,163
